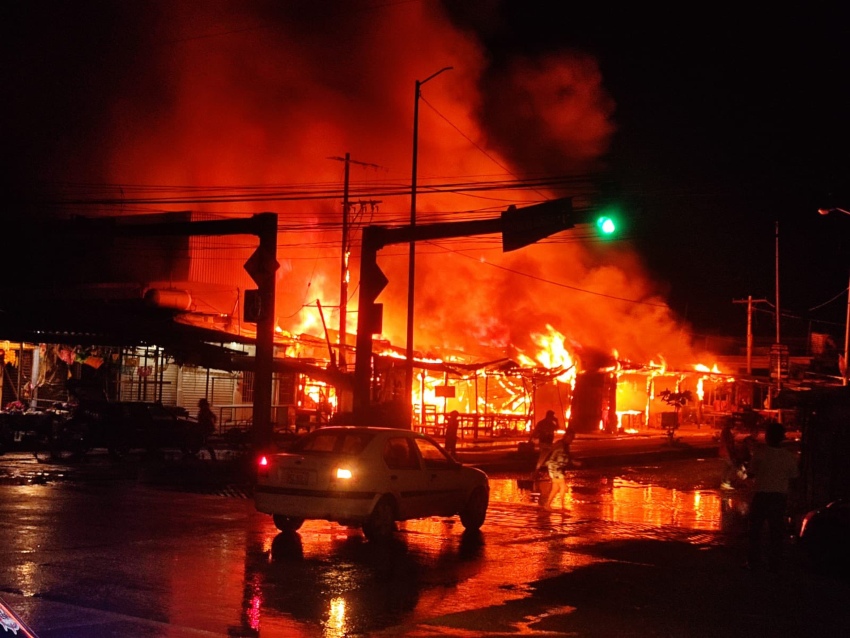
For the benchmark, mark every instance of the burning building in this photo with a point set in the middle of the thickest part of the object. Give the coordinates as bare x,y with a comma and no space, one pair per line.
240,108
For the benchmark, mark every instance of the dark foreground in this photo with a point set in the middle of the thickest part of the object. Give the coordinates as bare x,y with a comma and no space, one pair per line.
639,550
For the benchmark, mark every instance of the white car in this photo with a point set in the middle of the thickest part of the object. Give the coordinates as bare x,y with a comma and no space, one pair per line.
368,477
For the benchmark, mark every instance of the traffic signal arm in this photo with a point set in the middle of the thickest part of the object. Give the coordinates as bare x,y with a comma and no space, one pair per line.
519,227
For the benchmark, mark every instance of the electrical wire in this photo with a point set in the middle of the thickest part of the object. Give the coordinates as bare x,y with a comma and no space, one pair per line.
826,303
553,283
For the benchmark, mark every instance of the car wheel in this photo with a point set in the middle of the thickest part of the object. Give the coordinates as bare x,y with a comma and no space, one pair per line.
473,513
287,523
381,522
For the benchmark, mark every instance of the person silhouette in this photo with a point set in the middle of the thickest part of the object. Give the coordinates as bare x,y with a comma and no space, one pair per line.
557,464
544,432
773,467
729,454
205,427
452,423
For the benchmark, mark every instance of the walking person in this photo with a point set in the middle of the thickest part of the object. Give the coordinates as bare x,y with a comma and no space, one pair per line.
452,423
544,432
773,468
206,427
729,454
557,465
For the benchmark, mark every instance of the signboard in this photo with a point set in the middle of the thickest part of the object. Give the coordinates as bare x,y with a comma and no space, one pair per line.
778,360
261,265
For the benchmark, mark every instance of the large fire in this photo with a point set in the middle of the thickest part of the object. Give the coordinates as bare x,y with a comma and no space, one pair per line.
241,108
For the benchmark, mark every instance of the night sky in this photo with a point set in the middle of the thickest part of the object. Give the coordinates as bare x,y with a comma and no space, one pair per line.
714,124
728,121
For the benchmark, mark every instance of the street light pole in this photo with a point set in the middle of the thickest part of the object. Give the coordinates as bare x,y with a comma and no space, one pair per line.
844,375
847,338
411,271
778,338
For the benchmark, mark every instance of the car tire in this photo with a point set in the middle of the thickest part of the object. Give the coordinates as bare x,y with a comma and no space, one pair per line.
475,511
287,523
381,522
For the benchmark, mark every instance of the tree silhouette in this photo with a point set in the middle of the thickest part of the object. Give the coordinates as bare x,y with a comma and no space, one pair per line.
677,400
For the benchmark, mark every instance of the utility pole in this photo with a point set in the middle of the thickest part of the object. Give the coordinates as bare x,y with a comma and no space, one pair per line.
846,339
749,301
778,314
346,254
343,280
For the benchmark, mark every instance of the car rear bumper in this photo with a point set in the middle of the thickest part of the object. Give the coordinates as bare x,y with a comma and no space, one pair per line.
328,505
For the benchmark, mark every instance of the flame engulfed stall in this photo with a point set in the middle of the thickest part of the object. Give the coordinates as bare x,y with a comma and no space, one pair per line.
505,396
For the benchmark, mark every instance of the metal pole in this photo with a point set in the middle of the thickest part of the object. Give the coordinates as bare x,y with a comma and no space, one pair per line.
847,335
343,280
778,340
411,264
411,270
36,362
264,359
749,334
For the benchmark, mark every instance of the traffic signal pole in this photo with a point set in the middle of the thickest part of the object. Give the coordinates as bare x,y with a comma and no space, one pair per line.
519,228
261,266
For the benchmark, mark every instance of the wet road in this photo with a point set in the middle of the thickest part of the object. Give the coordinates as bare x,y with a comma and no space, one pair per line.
636,551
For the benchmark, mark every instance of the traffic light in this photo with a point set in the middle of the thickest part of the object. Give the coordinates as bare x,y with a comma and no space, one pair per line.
608,223
524,226
252,308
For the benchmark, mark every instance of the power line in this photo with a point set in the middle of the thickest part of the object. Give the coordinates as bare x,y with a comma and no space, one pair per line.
553,283
136,195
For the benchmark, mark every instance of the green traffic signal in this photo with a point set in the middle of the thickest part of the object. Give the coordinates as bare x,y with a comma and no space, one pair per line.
606,225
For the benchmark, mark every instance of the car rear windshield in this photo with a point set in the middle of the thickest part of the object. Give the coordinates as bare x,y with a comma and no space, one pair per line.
319,442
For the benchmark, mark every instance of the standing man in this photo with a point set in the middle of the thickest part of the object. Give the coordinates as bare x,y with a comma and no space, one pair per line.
729,454
206,427
452,422
773,468
544,432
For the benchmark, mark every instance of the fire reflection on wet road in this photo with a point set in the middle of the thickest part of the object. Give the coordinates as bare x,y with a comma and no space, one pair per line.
133,560
679,494
329,577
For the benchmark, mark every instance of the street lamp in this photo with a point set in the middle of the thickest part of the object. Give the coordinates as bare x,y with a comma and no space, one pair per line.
846,338
408,378
827,211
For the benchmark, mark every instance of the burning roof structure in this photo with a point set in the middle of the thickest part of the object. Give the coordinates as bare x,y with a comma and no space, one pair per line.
238,108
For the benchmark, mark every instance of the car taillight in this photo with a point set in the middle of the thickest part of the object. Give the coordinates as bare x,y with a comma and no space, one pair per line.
263,466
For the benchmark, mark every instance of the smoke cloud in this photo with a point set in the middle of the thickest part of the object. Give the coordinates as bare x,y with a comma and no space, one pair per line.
257,94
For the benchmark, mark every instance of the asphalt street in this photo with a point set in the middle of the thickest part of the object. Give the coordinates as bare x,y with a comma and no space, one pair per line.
645,544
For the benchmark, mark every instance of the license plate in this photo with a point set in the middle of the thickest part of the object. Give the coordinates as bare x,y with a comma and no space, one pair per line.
296,478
